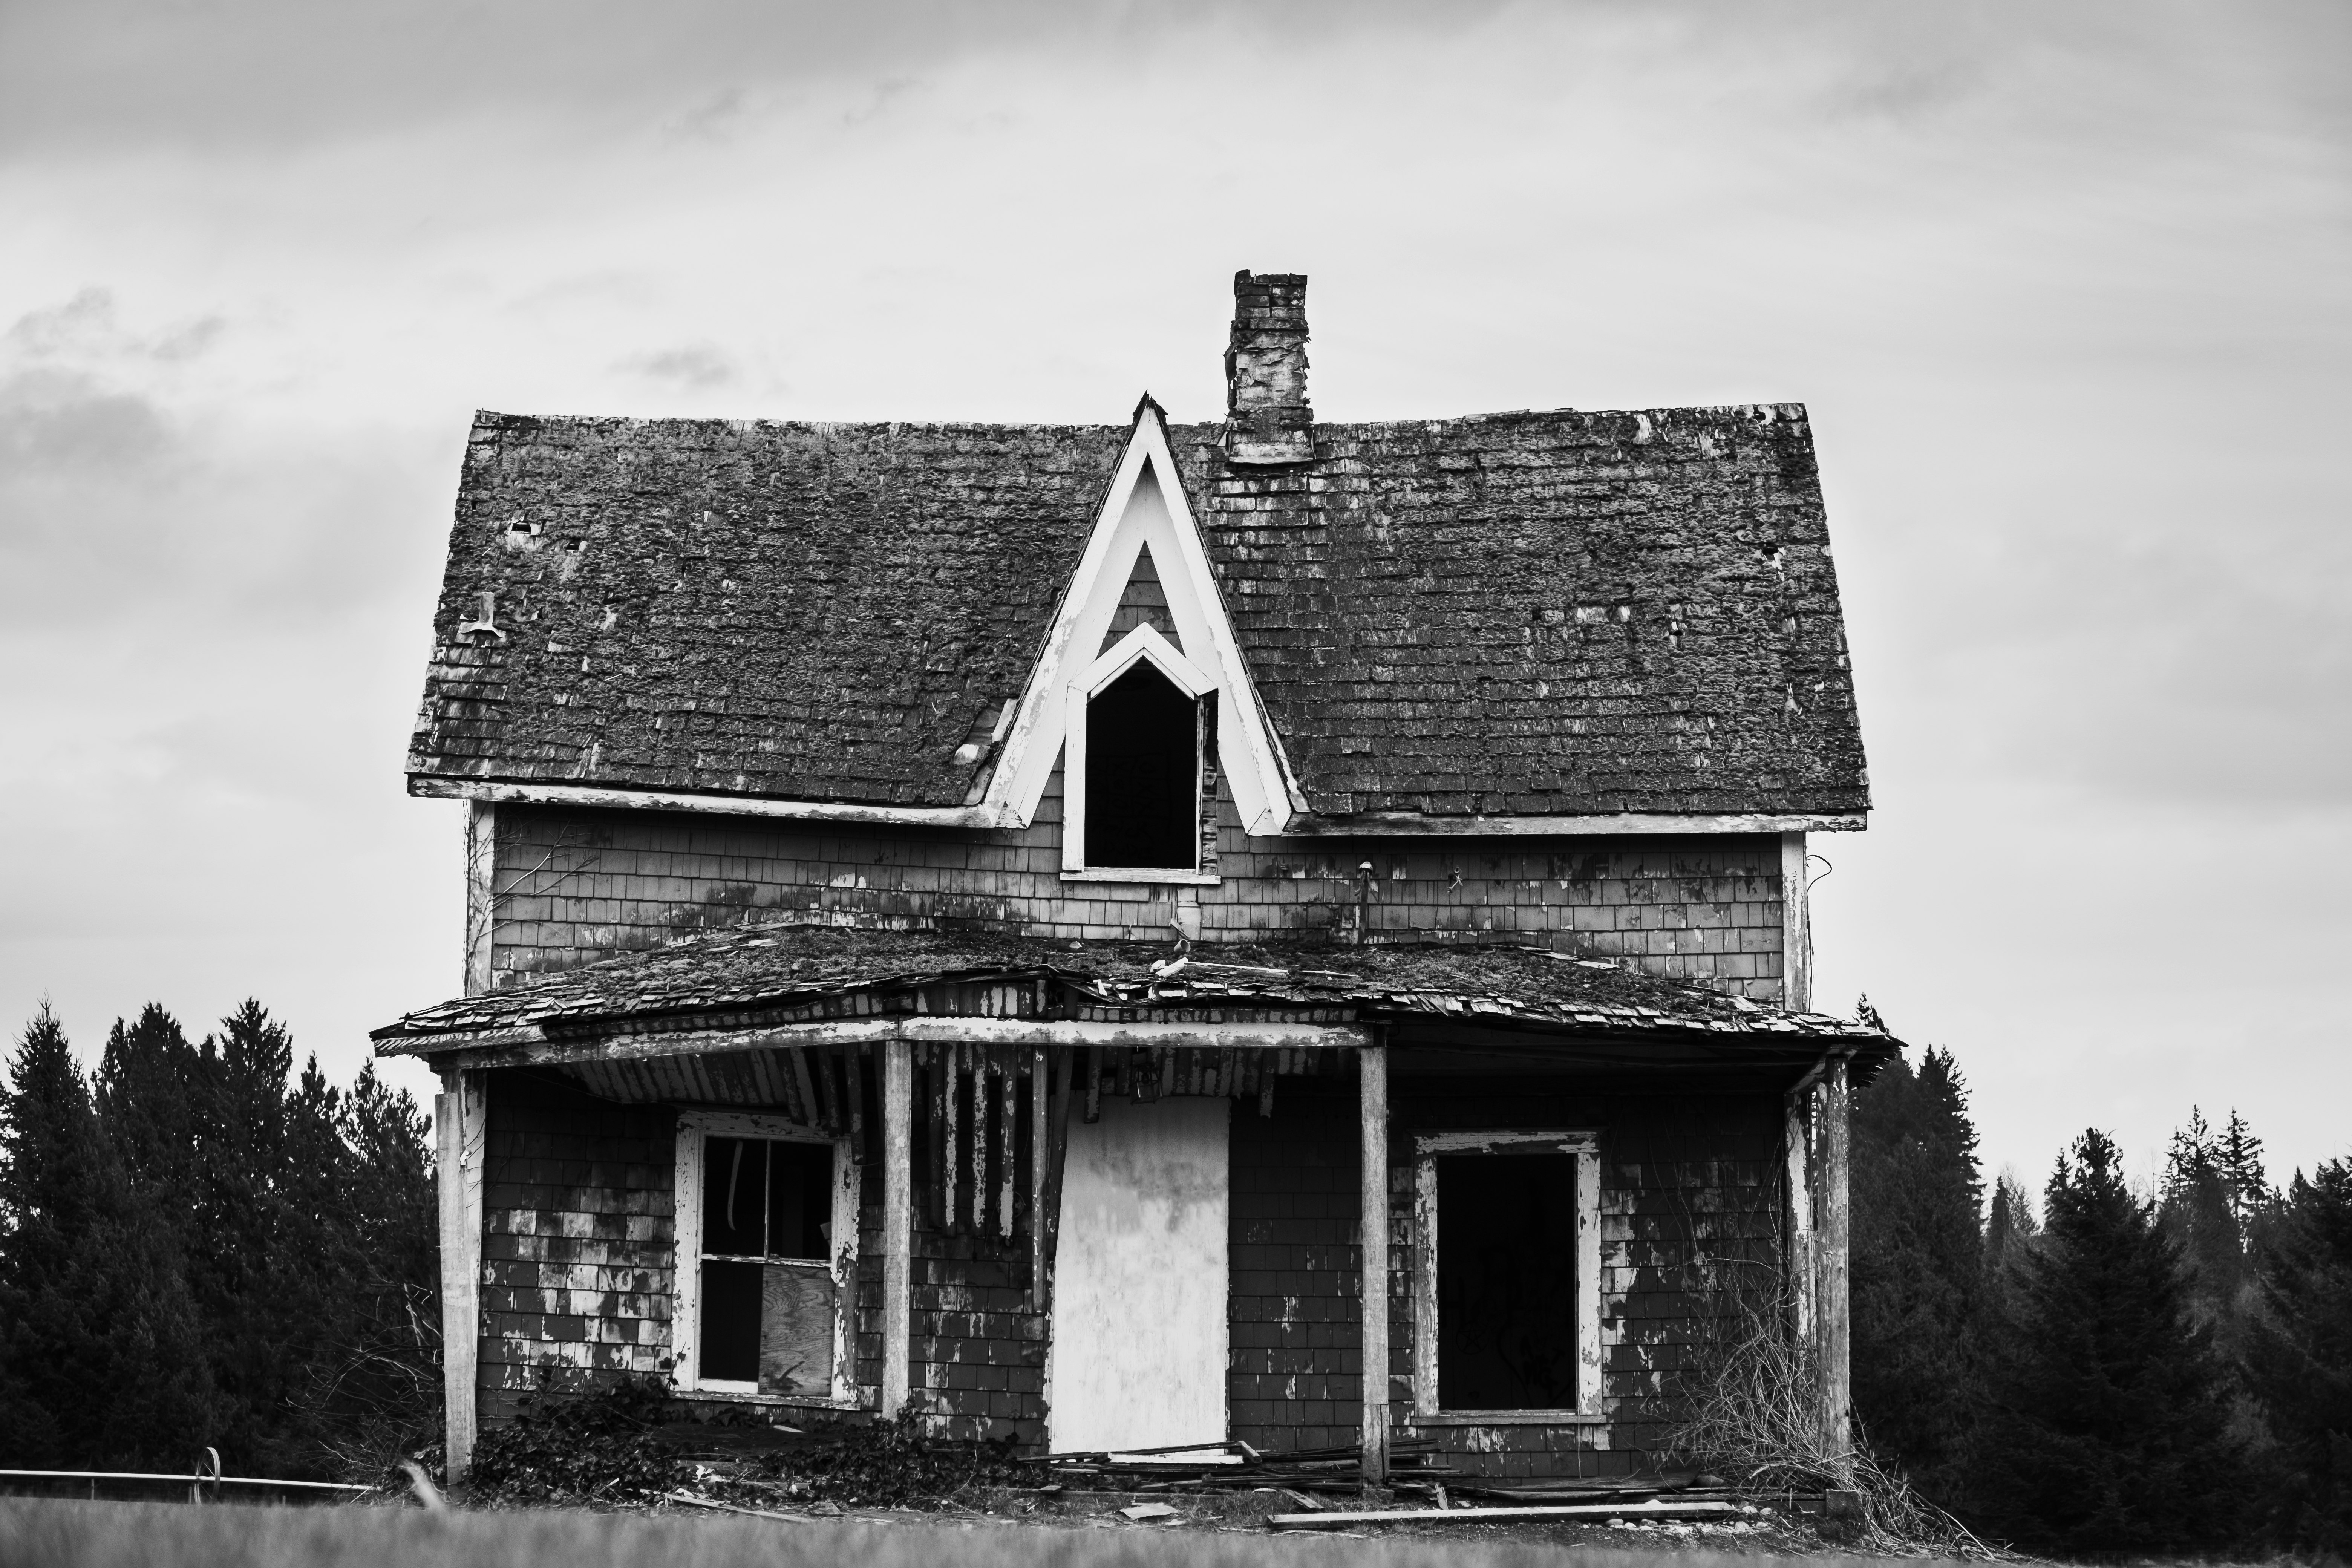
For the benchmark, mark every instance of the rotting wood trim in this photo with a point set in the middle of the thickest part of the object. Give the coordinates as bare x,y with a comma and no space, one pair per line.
530,1046
1833,1100
1585,1144
1057,1163
461,1116
1040,1109
898,1217
1373,1243
694,1128
1413,824
481,894
1796,927
433,786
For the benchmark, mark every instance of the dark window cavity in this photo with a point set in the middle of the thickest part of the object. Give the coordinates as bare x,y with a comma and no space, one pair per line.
1507,1281
765,1201
1142,770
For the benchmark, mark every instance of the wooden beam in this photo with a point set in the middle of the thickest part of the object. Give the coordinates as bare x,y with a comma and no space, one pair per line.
1413,824
481,893
485,791
1040,1107
461,1121
897,1212
1833,1100
1373,1243
1796,927
527,1046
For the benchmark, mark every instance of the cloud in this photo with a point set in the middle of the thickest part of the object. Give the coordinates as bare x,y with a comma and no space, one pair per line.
697,366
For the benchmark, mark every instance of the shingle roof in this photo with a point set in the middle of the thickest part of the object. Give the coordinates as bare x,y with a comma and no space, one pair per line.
1555,613
726,978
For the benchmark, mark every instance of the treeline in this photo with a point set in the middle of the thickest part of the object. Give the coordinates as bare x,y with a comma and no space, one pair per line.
200,1248
2110,1371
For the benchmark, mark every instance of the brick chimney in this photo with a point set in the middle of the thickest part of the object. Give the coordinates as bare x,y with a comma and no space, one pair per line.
1265,372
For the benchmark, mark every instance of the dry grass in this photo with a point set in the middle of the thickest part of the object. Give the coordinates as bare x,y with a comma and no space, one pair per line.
59,1534
1751,1417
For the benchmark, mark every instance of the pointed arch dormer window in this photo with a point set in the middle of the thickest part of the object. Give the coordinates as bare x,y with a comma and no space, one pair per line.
1142,722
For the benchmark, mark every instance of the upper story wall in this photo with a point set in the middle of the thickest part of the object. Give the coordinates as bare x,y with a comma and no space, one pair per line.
574,884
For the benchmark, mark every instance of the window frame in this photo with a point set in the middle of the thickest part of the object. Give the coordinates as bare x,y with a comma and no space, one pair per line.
695,1128
1584,1312
1143,643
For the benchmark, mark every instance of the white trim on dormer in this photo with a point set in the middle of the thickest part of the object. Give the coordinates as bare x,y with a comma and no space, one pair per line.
1145,643
1145,507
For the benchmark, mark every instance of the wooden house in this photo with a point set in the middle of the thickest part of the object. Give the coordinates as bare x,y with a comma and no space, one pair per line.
1035,926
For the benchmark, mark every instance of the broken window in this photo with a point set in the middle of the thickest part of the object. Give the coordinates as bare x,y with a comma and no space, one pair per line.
1506,1309
1142,783
758,1216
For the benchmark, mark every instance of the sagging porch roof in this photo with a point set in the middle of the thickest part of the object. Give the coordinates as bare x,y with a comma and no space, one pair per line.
769,984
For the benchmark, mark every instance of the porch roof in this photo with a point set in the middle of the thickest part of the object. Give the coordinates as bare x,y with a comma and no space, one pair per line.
748,977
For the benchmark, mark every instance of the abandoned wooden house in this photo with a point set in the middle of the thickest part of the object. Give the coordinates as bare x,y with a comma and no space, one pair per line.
1036,926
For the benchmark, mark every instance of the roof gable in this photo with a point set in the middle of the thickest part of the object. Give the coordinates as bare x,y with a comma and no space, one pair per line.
1145,509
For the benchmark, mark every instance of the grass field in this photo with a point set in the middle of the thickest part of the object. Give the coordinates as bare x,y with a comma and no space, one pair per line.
39,1533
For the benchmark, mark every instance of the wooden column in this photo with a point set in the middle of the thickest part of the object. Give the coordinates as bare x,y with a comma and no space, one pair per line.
481,873
1796,927
1373,1232
460,1120
897,1212
1803,1285
1832,1103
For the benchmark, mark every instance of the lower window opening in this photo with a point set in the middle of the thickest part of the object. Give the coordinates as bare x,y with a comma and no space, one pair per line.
767,1309
1507,1281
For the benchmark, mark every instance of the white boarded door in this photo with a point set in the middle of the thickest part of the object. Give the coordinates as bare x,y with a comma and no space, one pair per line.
1140,1278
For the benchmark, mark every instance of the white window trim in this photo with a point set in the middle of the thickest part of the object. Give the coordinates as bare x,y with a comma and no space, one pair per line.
1142,645
1585,1144
1146,506
694,1128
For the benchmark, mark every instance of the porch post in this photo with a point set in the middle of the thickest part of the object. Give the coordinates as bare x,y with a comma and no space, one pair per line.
459,1120
1833,1100
1373,1290
897,1192
1803,1284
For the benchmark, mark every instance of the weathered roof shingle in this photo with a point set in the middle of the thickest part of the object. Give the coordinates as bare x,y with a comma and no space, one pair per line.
1524,613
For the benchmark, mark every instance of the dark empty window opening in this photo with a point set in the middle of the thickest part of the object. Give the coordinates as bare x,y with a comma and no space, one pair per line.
765,1201
1507,1281
1142,774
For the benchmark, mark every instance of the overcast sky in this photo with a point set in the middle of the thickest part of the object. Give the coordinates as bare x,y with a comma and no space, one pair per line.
2068,290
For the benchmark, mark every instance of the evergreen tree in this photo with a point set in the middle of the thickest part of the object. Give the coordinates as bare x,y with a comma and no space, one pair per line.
1917,1267
2238,1155
100,1361
194,1252
2012,1232
2198,1213
2299,1357
2109,1409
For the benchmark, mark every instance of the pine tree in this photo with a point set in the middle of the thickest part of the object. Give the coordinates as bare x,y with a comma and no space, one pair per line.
2299,1357
2238,1155
2198,1212
2109,1406
1917,1267
101,1364
2012,1232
